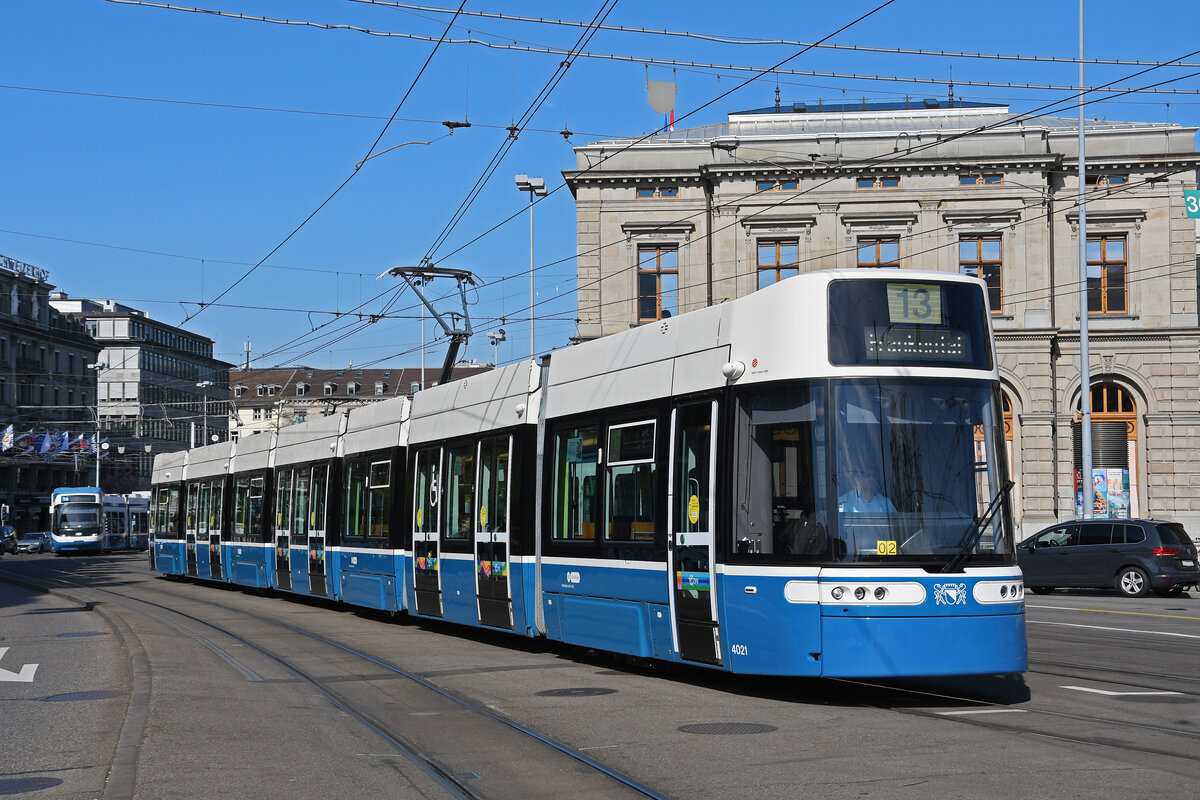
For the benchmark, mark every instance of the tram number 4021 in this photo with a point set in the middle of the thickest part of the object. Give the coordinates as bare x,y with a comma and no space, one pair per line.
739,650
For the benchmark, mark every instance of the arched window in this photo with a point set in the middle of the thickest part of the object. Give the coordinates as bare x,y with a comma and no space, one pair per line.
1114,450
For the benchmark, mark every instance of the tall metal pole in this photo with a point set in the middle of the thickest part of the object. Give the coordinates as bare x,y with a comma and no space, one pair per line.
97,436
1085,375
532,351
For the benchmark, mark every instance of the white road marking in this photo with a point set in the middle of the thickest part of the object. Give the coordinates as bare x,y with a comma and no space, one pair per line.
24,676
1115,694
1114,630
981,711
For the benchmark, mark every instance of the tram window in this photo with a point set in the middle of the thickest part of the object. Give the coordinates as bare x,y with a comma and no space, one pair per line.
460,491
283,501
381,481
493,485
192,502
166,514
630,481
300,503
202,507
782,476
356,499
576,457
425,502
214,518
247,508
320,480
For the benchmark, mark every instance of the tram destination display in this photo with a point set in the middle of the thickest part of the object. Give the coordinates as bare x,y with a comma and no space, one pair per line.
907,322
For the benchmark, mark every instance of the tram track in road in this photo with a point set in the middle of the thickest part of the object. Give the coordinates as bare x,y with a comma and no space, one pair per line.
560,770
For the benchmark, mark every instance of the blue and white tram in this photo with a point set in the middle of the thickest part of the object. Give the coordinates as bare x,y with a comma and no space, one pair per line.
806,481
86,520
77,520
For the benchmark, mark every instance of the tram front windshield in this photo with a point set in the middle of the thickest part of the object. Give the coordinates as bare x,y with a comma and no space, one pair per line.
78,519
886,471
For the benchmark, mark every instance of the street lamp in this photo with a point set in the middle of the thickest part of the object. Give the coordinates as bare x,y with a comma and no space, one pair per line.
204,395
99,365
535,186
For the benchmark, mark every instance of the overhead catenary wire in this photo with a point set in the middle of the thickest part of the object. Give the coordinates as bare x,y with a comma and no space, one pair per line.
675,63
736,40
1077,98
341,186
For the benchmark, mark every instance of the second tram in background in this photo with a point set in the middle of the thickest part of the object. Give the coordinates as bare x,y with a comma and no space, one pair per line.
809,480
86,520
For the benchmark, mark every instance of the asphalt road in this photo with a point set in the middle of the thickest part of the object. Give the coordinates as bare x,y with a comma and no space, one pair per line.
120,684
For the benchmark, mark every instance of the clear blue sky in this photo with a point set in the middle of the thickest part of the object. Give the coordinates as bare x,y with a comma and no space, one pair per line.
139,161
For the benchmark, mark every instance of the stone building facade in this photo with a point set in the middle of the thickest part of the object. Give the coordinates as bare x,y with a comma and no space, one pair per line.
45,385
683,220
159,390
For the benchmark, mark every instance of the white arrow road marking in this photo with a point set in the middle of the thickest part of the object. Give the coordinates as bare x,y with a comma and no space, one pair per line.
24,676
1114,694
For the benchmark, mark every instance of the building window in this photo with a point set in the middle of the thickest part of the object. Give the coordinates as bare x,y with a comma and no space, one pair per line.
330,388
658,191
380,387
351,388
301,389
879,251
260,390
1103,180
978,179
1106,265
789,185
658,282
256,414
879,182
979,257
777,259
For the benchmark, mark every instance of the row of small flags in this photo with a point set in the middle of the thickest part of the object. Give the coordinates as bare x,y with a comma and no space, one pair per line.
48,445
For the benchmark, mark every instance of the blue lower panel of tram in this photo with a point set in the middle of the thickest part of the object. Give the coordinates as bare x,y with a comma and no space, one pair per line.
169,556
612,608
248,565
873,647
366,579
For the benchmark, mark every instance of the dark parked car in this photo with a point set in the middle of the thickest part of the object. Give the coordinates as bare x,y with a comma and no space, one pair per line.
1132,555
34,542
8,539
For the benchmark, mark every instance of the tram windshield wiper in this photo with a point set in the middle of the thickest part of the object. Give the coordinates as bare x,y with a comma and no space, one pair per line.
971,537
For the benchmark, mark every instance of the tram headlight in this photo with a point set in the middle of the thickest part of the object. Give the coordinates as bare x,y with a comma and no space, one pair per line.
1004,591
837,592
860,593
880,593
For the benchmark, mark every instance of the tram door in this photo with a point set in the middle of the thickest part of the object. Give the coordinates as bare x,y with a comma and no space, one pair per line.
491,534
283,542
691,515
318,487
427,491
214,530
193,496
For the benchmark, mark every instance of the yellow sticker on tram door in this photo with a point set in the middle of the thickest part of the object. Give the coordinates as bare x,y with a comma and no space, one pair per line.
693,509
883,548
482,517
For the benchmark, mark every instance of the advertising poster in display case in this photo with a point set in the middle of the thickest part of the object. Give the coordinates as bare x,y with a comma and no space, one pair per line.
1110,493
1118,493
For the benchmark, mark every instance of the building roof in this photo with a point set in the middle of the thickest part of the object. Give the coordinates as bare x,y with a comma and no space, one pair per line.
869,117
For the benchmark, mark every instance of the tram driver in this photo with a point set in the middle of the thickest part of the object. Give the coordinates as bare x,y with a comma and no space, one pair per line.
864,496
